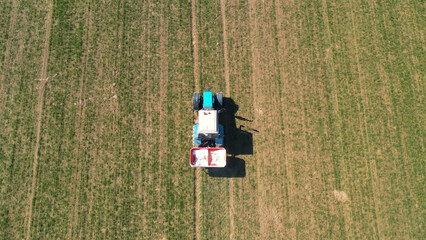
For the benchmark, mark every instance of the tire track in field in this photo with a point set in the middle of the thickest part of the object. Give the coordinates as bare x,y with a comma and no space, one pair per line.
146,127
347,213
282,46
263,78
325,165
197,178
392,87
410,30
416,89
266,80
115,107
255,60
227,94
283,43
79,124
13,17
364,100
39,109
299,83
194,35
225,47
162,104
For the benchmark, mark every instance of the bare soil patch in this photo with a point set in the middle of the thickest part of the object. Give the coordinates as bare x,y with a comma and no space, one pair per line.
340,196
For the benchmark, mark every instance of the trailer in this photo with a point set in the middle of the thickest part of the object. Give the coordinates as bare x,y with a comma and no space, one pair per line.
208,157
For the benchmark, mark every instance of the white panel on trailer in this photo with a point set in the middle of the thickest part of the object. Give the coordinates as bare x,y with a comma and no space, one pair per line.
208,157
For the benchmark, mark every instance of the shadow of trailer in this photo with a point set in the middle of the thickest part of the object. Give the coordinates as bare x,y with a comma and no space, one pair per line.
235,168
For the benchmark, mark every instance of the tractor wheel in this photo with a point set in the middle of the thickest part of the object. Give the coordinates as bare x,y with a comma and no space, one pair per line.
219,101
196,101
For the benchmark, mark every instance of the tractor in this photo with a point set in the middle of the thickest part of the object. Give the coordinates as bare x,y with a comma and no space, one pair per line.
208,134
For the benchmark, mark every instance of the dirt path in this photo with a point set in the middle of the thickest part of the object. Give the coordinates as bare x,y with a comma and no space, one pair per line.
227,94
197,179
39,109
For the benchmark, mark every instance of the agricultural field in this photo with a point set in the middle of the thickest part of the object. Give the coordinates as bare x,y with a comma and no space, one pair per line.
325,121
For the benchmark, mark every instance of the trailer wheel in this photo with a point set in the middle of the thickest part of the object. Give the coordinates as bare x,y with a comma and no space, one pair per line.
219,101
196,101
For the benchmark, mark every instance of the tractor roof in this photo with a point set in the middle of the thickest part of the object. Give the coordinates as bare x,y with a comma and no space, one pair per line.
207,99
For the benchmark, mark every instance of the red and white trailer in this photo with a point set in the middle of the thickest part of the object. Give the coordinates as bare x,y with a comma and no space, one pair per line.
210,157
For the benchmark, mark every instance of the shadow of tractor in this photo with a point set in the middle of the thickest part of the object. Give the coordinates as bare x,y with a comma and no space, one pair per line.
237,142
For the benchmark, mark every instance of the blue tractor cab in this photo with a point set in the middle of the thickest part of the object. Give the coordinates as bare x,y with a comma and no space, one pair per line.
208,132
